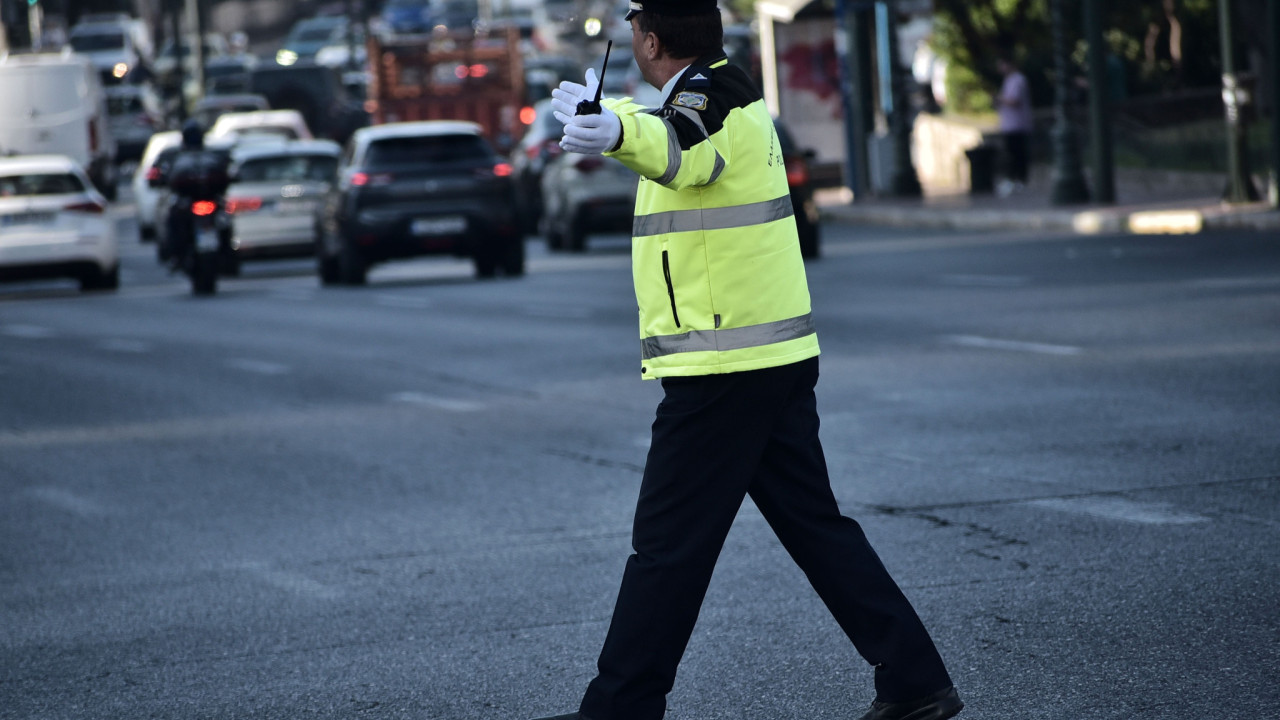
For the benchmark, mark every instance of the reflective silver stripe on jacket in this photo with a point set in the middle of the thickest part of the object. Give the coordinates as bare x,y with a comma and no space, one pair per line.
728,339
674,221
673,156
696,119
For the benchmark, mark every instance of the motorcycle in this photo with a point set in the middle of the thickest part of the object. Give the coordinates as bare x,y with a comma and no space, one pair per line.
199,232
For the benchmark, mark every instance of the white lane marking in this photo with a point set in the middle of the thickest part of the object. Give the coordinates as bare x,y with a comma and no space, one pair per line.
293,582
1234,283
1112,508
402,301
124,345
261,367
1014,345
33,332
992,281
69,501
440,403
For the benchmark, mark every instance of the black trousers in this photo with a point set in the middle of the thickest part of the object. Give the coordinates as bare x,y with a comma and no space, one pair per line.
716,439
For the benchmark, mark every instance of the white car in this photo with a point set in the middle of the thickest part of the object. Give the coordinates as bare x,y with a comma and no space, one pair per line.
53,223
145,196
286,124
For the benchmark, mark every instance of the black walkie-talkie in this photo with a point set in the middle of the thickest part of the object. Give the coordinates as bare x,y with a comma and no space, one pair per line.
592,107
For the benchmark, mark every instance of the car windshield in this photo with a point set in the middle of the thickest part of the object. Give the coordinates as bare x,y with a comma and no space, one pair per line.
40,184
288,168
97,41
427,150
275,131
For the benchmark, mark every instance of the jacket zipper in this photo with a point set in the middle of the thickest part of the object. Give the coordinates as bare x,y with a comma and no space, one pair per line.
671,290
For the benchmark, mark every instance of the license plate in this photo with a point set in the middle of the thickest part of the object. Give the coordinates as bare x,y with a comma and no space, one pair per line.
27,218
206,239
448,225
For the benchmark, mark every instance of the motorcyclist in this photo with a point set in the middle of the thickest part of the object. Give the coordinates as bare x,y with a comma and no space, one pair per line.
196,174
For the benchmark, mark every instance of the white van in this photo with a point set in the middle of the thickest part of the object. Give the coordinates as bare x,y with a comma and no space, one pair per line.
53,104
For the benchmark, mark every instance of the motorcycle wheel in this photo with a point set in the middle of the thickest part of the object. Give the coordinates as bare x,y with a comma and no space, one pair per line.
204,274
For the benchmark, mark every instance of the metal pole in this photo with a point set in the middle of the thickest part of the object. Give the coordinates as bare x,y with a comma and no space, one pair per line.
1103,165
851,26
1239,187
1068,180
1273,26
905,182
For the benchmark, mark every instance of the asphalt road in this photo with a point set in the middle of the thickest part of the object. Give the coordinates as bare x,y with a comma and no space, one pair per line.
412,500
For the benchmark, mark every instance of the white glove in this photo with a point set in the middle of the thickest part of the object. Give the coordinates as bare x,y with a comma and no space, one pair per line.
565,99
591,134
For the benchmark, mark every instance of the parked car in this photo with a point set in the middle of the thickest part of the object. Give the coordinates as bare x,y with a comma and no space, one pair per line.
149,168
53,223
275,191
408,189
53,104
134,113
796,162
212,107
287,124
585,194
539,146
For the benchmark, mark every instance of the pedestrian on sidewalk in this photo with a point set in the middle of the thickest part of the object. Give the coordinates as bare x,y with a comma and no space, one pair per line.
1013,107
725,325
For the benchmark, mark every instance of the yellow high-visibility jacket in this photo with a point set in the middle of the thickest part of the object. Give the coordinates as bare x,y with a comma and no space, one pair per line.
715,255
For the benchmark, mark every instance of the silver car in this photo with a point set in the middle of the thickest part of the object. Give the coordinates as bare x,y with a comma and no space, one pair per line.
585,194
275,191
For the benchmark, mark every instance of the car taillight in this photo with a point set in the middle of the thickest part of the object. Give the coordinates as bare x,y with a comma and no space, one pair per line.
88,206
797,172
243,204
203,208
588,163
362,179
153,173
528,115
502,169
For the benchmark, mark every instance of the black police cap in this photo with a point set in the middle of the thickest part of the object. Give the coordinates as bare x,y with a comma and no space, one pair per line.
670,7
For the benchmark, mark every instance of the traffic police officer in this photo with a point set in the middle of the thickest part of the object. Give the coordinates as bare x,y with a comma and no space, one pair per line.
725,325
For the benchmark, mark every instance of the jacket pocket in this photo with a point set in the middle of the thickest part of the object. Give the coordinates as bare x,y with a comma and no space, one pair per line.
671,289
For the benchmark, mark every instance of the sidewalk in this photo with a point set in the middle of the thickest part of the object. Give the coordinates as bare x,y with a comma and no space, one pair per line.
1147,202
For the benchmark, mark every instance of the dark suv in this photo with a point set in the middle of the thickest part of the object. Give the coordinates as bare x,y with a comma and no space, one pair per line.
419,188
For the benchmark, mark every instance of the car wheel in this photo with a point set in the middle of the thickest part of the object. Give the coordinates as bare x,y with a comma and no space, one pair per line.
229,265
99,280
352,268
513,258
486,262
146,233
576,238
326,267
808,232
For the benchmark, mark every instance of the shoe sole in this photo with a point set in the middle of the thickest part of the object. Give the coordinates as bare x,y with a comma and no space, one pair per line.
935,713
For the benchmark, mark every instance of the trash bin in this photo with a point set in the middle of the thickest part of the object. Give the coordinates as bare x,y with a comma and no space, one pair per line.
982,168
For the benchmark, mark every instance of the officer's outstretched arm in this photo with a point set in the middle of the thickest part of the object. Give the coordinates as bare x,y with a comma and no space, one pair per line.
669,146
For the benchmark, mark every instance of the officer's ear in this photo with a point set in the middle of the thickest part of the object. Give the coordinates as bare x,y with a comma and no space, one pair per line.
651,46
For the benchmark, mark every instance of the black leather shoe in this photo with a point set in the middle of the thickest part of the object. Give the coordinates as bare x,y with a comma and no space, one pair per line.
938,706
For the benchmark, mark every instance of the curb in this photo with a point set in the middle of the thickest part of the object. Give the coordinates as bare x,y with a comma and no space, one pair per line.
1157,220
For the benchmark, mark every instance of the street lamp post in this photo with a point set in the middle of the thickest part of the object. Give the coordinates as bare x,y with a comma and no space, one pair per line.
905,182
1068,180
1099,106
1239,187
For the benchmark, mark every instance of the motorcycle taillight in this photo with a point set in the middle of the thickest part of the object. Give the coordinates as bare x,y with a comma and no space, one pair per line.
203,208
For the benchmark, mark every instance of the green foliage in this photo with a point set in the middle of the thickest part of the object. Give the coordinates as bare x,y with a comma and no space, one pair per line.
1158,51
